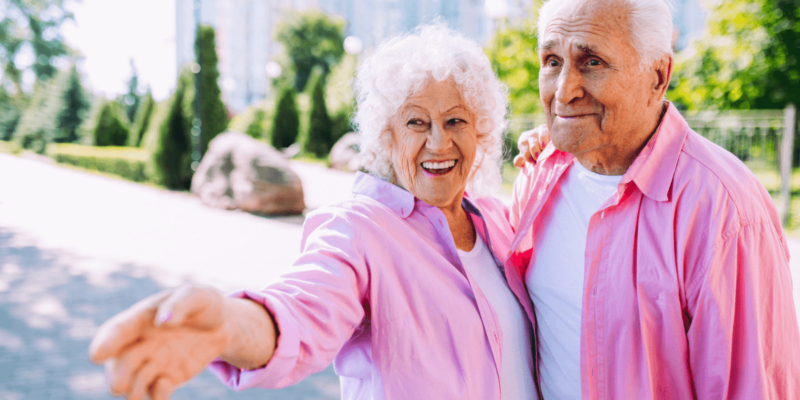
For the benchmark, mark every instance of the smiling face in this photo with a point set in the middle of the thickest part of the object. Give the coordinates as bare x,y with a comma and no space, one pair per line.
434,142
597,99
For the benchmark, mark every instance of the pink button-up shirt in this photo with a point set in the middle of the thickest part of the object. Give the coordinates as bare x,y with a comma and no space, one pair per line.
687,291
380,290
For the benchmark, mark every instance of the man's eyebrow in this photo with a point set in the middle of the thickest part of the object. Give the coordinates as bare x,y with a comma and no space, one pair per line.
587,49
547,45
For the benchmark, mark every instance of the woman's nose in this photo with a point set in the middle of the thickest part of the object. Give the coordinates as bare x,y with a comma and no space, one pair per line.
439,139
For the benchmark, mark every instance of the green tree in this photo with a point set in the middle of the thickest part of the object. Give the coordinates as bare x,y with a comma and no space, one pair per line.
141,120
132,99
512,52
36,125
31,26
339,96
213,115
311,38
112,126
286,121
320,138
11,108
72,105
172,148
747,58
256,127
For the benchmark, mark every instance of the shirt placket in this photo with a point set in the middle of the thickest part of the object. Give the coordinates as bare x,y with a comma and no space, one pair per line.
490,325
598,245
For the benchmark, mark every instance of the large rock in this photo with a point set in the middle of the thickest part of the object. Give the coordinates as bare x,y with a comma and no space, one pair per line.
344,154
239,172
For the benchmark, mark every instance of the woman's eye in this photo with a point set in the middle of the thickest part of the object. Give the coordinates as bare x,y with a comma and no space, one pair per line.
415,122
455,121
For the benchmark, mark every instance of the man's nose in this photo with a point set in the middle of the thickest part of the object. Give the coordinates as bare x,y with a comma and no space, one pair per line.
570,86
439,139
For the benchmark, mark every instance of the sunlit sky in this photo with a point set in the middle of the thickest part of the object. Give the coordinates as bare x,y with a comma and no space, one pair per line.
108,33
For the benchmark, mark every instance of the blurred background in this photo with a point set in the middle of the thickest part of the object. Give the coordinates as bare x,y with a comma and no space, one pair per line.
118,178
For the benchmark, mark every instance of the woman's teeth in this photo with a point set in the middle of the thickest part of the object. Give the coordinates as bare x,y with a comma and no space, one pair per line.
438,165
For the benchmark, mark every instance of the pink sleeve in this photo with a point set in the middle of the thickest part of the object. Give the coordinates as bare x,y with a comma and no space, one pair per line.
743,335
317,305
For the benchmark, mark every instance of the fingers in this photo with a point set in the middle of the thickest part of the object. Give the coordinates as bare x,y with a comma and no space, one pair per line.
519,161
123,329
162,389
189,302
122,371
145,379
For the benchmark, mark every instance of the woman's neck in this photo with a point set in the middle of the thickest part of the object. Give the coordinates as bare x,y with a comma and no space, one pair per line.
461,227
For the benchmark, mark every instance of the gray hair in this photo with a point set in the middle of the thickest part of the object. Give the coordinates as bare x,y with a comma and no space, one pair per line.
403,65
650,25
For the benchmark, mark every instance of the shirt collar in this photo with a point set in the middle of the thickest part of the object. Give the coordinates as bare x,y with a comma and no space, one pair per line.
653,169
397,199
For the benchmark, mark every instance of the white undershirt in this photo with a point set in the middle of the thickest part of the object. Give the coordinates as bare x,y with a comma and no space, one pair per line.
516,369
555,276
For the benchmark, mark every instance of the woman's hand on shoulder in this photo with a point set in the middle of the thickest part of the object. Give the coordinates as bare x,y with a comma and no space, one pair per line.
162,341
530,145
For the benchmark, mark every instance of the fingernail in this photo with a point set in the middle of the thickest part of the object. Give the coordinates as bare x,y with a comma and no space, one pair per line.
163,317
536,155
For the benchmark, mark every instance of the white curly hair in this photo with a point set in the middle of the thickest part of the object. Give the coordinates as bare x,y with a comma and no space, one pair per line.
404,64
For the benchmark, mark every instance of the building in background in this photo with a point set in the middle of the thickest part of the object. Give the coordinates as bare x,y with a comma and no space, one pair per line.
245,30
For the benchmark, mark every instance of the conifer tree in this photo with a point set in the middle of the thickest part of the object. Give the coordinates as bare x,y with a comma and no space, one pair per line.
172,150
286,122
72,106
111,128
142,120
319,139
132,100
213,115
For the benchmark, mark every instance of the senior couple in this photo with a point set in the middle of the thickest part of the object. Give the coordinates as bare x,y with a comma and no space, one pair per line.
638,260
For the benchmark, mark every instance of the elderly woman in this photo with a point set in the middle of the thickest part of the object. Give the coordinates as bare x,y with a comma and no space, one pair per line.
401,286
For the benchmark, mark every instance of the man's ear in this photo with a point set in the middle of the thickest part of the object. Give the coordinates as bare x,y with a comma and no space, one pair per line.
662,74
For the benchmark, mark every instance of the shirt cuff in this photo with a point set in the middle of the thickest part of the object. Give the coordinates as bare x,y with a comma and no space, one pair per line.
276,374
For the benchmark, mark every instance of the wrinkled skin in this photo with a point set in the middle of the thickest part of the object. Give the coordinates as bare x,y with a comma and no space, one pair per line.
436,124
531,144
600,105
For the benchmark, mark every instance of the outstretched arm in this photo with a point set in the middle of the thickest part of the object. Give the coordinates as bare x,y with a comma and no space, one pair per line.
168,338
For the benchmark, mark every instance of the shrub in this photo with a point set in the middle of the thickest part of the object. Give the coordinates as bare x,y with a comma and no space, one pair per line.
142,120
286,122
171,148
112,126
320,138
125,162
256,127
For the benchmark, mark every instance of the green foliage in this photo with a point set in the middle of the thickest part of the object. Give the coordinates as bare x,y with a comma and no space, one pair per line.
11,108
131,100
512,52
72,105
339,96
36,125
311,38
171,148
141,120
213,114
112,126
286,121
125,162
31,24
256,127
319,139
747,58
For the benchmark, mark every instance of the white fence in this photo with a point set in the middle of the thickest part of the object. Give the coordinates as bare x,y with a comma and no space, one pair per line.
755,136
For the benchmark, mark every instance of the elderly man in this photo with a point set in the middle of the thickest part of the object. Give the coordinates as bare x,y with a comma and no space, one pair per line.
655,260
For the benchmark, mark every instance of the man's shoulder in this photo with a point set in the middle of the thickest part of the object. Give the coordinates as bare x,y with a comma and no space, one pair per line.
712,175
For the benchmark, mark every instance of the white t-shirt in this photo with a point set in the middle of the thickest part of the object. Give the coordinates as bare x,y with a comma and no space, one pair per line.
516,369
555,276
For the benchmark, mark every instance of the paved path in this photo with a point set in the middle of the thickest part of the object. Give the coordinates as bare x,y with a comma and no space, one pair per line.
77,248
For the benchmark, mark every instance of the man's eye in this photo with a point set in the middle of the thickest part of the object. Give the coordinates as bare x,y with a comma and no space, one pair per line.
594,63
553,63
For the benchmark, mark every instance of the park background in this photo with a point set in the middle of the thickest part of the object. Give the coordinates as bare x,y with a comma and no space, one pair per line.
107,108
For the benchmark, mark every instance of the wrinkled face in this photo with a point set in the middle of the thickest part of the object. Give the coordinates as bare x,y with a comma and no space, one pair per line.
434,141
594,94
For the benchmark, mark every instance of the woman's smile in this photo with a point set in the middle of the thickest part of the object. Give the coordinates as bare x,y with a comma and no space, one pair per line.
437,168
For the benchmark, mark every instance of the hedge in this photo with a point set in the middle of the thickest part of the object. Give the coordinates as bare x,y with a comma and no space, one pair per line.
127,162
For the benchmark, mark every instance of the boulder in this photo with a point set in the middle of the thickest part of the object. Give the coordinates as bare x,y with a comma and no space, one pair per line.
239,172
344,154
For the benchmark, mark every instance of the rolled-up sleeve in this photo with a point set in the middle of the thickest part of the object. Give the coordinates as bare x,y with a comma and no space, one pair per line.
743,333
317,305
